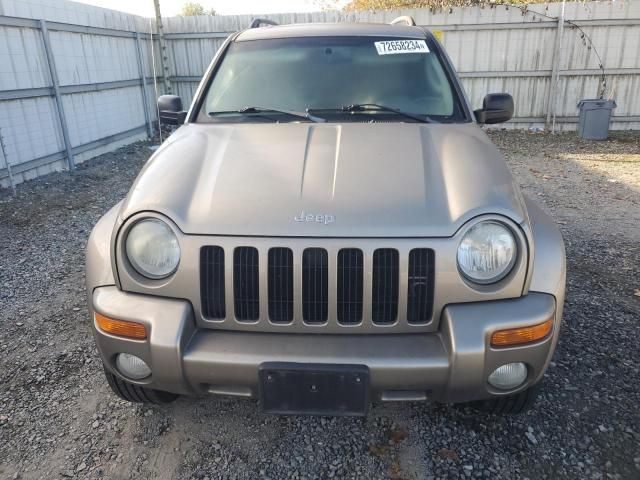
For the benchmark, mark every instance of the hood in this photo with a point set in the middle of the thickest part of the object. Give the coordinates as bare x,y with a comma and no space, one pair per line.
325,180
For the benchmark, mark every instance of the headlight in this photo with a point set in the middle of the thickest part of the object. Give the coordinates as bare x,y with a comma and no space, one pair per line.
487,252
152,248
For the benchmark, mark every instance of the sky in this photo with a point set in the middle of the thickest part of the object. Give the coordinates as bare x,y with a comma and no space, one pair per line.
222,7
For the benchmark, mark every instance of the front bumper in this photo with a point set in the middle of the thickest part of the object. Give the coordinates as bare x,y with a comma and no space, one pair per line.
451,365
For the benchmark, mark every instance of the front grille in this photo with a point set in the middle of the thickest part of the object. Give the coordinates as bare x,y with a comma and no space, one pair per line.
349,286
212,282
384,302
246,283
280,285
350,265
420,287
315,285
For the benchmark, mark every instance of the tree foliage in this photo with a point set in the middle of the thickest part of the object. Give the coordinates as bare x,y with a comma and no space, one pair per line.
191,9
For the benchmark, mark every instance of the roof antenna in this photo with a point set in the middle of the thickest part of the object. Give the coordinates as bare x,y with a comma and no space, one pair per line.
406,19
258,22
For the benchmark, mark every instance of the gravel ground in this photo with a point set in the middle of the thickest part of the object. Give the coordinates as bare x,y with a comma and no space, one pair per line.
58,417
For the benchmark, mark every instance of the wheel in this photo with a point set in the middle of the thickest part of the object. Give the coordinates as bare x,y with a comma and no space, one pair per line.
511,404
136,393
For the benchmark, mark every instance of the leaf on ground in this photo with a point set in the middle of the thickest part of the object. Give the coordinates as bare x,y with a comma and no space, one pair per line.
395,472
398,434
636,292
378,450
447,454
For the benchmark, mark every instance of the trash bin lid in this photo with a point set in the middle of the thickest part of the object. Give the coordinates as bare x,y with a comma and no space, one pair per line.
596,103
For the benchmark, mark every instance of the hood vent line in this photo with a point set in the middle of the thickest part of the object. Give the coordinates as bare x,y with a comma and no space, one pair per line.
305,160
335,161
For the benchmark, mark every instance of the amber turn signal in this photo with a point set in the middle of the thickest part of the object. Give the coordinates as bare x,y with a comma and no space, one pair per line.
121,328
518,336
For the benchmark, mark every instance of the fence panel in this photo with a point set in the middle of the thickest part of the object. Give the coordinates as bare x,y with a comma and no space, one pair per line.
69,71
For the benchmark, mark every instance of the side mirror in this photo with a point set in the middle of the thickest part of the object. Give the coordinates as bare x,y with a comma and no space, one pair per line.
170,108
496,108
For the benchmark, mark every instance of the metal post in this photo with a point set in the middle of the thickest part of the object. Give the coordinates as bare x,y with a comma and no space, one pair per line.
163,49
155,79
555,72
6,162
143,84
56,89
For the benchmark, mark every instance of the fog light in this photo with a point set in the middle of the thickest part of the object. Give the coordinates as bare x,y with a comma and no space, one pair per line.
508,376
132,366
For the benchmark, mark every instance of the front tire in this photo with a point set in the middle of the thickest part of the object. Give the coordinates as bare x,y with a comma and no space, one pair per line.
508,405
136,393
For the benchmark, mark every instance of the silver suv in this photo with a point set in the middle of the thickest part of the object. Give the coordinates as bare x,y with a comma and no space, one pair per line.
329,226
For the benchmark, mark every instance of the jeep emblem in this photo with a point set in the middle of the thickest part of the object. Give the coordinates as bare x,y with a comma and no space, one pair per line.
324,218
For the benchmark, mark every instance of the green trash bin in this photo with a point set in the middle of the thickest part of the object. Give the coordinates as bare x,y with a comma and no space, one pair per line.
595,115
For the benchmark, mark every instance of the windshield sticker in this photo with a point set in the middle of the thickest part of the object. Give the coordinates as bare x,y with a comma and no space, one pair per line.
391,47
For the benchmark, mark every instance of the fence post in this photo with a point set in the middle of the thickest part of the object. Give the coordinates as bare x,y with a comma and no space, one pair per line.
163,49
56,89
555,73
8,165
143,83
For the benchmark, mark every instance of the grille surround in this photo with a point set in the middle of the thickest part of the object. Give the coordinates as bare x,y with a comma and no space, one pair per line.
450,287
347,286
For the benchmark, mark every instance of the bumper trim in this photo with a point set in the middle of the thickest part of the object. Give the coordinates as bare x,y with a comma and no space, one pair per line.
396,362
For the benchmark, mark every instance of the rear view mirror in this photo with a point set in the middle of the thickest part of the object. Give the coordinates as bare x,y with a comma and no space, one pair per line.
496,108
170,108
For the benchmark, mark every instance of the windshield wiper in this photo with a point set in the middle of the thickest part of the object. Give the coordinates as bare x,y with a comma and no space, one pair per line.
306,115
372,107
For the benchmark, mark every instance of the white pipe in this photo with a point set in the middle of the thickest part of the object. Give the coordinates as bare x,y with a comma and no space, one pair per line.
555,96
155,79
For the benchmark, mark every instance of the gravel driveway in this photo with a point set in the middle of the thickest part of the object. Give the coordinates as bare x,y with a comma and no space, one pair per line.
58,417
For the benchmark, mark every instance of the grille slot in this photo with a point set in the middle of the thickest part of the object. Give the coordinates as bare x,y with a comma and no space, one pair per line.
280,285
420,285
212,282
315,285
246,283
350,273
384,306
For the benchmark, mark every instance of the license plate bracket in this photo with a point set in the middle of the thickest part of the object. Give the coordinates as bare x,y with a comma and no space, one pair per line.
314,389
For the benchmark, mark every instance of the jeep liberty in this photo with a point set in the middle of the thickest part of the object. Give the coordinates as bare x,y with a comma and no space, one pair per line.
328,227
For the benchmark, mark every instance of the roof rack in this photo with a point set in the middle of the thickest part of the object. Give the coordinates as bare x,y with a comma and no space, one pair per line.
404,19
258,22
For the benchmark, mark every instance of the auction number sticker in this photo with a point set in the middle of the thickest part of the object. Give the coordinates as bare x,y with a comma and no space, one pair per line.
392,47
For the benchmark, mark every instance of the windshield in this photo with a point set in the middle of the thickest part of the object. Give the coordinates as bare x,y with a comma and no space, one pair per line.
327,75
